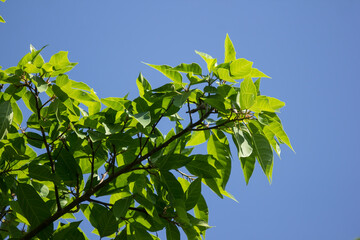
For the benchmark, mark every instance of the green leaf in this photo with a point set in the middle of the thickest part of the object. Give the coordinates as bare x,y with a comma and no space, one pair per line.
67,168
230,54
224,74
173,185
6,117
247,93
18,117
208,59
218,147
40,172
268,104
200,167
69,231
168,72
30,101
121,207
189,68
40,84
179,100
198,137
247,165
143,85
255,73
171,161
143,118
257,85
2,20
193,194
264,154
60,61
240,68
101,218
33,207
172,232
242,141
217,102
115,103
275,126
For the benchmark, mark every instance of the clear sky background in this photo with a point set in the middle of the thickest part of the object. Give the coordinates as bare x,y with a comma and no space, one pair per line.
309,48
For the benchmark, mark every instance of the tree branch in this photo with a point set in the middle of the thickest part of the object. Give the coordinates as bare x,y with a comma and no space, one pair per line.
122,170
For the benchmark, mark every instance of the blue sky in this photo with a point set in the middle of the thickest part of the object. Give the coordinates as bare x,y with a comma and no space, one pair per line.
309,48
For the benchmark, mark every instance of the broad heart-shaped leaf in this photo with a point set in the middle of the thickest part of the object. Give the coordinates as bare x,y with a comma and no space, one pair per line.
275,126
248,93
240,68
60,60
210,61
268,104
264,154
188,68
69,231
201,167
101,218
224,74
242,142
168,72
198,137
6,117
172,232
230,54
247,165
33,208
193,194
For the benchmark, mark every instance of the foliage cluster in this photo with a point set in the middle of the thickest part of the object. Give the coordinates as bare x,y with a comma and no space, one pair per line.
108,159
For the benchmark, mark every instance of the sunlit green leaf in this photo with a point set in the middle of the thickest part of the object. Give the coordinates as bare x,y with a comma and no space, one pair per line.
240,68
198,137
247,93
224,74
168,72
230,54
188,68
255,73
268,104
6,117
208,59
